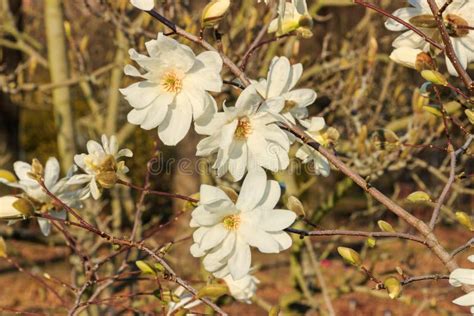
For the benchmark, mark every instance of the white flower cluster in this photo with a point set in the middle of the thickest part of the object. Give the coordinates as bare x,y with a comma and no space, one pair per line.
246,138
458,18
102,170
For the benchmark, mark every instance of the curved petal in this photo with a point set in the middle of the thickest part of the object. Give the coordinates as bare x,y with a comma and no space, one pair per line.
271,196
51,172
214,237
278,77
253,189
276,220
176,123
240,260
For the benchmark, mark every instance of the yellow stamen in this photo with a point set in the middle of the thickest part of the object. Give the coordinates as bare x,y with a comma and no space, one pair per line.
172,82
231,222
244,128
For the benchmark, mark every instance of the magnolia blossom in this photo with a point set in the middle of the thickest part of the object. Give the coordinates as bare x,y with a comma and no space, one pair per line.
464,276
35,193
175,87
101,166
317,129
227,229
292,16
145,5
457,16
278,90
243,289
244,137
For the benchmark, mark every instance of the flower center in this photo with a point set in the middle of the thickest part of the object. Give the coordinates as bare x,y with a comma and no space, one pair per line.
289,105
231,222
244,128
97,165
172,82
456,25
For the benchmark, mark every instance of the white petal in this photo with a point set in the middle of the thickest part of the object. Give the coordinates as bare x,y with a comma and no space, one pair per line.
157,111
258,238
283,239
278,77
465,300
238,159
464,276
271,196
51,172
145,5
45,226
253,189
141,94
176,124
213,237
276,220
240,260
96,194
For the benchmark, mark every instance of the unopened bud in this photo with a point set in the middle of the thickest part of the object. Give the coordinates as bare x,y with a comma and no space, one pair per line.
418,196
37,169
393,286
295,205
465,220
350,256
145,268
470,115
434,77
385,227
214,12
213,290
7,176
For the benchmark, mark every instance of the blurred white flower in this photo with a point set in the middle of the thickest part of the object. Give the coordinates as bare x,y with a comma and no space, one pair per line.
9,209
243,289
226,230
457,17
464,276
316,128
40,199
292,16
186,300
277,90
101,166
175,87
145,5
244,138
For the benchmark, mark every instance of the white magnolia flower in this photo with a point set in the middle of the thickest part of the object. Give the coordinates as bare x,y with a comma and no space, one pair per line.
145,5
464,276
317,129
186,300
40,199
292,16
457,16
244,137
226,230
101,166
243,289
278,91
175,87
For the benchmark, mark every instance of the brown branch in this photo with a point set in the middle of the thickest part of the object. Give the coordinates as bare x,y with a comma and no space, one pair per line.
402,22
159,193
467,245
340,232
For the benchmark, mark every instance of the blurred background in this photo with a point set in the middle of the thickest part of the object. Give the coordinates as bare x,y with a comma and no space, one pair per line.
61,65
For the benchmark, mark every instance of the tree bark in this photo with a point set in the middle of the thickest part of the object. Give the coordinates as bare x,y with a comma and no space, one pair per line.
59,71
